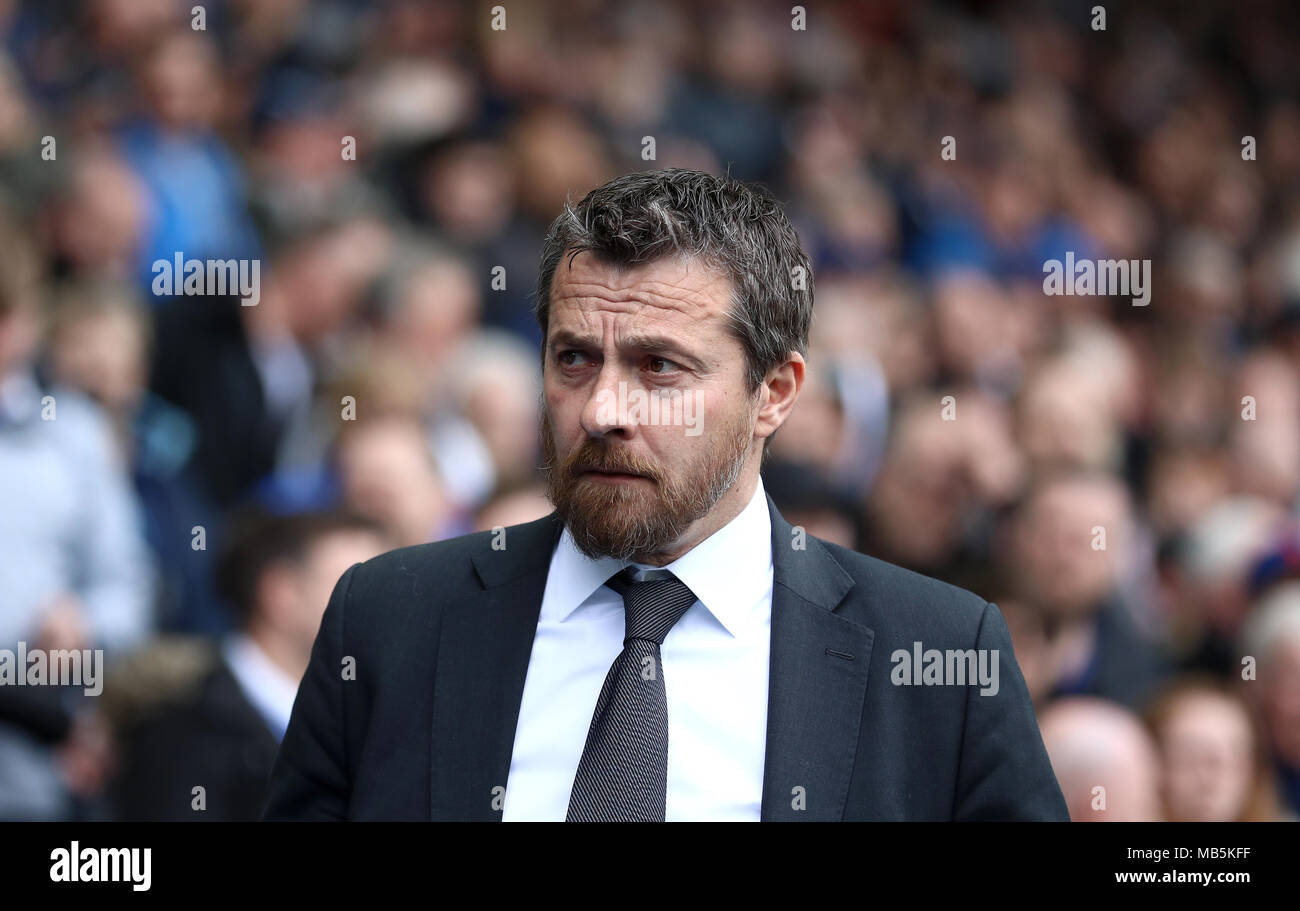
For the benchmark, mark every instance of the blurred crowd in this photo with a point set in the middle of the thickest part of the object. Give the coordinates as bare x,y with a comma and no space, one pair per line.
183,478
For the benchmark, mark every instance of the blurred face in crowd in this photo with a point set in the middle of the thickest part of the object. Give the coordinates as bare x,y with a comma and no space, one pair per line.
815,434
181,82
626,485
498,406
1104,761
1029,640
971,321
1065,420
1207,751
104,354
1279,697
1185,484
470,190
1266,451
936,470
100,225
293,596
1058,546
917,500
437,308
388,474
515,508
321,279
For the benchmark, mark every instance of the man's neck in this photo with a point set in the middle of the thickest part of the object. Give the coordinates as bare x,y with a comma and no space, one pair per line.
278,651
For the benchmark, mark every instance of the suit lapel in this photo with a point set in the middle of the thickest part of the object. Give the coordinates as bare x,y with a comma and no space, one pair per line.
818,680
483,653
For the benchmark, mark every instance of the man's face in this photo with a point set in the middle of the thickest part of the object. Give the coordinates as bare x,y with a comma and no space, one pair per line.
1060,561
328,558
292,594
1280,696
648,420
1208,751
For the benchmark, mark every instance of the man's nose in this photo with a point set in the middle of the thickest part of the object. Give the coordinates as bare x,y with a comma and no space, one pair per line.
605,411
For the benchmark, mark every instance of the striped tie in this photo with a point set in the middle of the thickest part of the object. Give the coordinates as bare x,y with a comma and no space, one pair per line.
623,773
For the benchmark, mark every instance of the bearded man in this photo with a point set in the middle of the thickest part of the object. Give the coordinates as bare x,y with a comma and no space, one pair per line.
664,645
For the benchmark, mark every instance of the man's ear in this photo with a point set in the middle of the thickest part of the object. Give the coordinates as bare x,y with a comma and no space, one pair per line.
778,392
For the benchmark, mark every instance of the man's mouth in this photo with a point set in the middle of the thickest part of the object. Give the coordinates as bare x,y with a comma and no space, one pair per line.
609,475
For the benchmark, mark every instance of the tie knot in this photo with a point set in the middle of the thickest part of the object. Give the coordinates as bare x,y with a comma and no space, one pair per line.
652,607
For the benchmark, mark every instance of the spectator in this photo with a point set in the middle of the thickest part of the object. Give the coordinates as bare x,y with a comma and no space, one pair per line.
1104,760
1066,543
219,732
388,473
1271,639
99,344
1213,767
71,521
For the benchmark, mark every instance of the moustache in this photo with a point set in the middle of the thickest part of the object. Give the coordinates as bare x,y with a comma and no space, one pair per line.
593,457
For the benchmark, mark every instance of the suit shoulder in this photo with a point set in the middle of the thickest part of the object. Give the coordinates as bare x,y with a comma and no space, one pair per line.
904,587
447,561
450,564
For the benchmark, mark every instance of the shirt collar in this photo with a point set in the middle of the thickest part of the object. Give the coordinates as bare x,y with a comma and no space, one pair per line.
727,571
267,687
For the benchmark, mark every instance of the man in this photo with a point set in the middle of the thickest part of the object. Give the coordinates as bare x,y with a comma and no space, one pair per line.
740,669
222,732
1094,644
79,575
1272,637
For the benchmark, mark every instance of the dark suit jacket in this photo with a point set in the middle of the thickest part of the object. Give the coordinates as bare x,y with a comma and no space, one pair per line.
216,739
203,363
439,637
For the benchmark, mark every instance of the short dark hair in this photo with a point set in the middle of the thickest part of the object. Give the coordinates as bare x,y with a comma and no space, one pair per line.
731,225
257,540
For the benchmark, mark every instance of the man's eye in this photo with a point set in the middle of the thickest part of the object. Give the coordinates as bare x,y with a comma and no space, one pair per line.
570,358
656,363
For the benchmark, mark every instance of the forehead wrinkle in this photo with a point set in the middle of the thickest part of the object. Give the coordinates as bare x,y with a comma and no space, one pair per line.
610,303
667,297
632,319
683,284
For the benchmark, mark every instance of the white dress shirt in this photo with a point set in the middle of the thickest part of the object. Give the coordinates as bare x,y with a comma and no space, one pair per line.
715,666
265,685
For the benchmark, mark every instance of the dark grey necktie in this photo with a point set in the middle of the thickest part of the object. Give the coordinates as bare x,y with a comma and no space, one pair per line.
623,773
